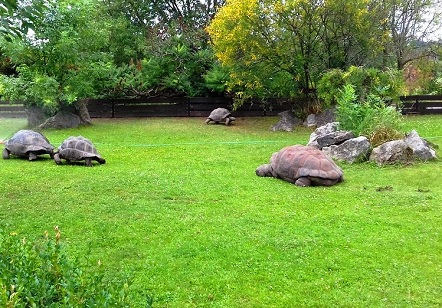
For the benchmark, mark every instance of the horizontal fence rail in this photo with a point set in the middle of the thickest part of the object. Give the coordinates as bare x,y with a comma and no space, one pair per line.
202,106
181,107
12,109
421,104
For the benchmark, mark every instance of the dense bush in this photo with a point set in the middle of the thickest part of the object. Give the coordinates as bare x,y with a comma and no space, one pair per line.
41,275
179,69
388,84
370,117
434,86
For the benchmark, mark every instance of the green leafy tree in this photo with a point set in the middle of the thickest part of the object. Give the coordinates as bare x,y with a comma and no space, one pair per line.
275,48
17,17
161,46
177,69
56,63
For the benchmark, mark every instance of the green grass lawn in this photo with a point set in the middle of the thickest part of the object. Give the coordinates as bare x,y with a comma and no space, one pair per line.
179,207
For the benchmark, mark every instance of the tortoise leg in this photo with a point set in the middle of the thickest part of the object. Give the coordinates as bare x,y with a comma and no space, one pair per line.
207,121
32,156
303,181
6,154
88,161
227,121
57,159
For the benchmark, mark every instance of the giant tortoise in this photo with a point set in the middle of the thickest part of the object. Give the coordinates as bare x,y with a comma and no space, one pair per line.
78,149
220,115
29,144
303,166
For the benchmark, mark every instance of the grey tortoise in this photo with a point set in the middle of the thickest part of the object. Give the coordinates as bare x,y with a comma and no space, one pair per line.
28,144
303,166
78,149
220,115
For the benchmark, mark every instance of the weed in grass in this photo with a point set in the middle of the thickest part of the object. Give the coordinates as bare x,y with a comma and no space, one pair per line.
41,275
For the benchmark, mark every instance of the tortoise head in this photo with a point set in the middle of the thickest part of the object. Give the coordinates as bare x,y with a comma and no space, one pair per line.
264,170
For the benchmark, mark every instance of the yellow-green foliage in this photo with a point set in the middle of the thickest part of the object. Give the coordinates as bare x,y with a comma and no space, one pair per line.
281,47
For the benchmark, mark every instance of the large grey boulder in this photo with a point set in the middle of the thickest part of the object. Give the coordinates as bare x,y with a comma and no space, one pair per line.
320,119
62,119
310,121
351,150
71,116
321,131
420,146
334,138
287,122
396,151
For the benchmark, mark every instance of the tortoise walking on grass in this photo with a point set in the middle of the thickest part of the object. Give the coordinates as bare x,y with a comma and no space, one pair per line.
29,144
303,166
78,149
220,115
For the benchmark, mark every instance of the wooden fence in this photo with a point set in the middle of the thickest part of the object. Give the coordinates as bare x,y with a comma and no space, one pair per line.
164,107
202,106
180,107
421,104
12,110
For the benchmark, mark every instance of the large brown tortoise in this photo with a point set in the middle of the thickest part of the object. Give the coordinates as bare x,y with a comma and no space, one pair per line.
29,144
77,149
219,115
303,166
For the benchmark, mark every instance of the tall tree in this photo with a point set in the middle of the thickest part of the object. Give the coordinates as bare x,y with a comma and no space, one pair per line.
280,47
411,23
63,59
145,25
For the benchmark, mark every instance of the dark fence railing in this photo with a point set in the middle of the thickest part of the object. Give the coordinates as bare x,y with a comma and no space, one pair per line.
180,107
12,110
202,106
163,107
421,104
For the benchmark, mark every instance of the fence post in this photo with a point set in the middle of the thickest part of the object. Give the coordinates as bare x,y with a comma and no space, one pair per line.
113,107
188,106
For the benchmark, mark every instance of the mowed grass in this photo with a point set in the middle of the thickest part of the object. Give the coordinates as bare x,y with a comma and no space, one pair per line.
179,207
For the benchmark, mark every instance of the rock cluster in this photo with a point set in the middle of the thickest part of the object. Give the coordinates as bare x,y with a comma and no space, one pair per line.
344,146
288,121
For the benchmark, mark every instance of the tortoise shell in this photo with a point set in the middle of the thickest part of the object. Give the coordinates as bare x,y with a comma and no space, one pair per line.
219,114
76,149
302,165
28,143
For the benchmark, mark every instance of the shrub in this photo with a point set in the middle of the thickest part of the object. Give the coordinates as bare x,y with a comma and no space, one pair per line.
370,117
387,84
434,86
41,275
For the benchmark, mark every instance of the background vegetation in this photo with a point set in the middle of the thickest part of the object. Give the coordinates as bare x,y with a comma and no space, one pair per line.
179,208
53,53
